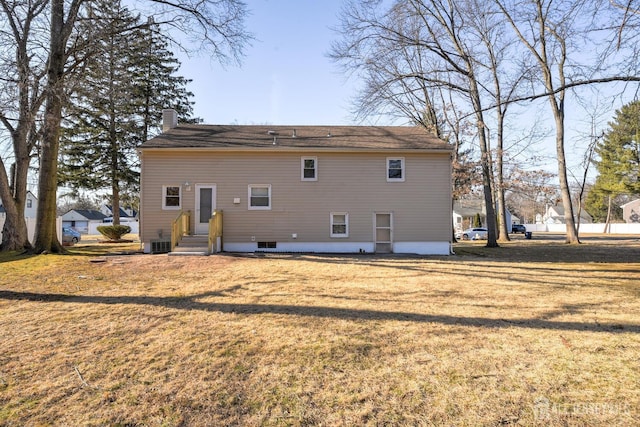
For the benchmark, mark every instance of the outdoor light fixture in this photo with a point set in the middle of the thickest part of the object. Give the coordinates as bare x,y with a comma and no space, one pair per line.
187,186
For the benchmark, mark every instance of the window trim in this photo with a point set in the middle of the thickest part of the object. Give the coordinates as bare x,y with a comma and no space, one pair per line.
402,169
164,198
332,223
315,168
258,208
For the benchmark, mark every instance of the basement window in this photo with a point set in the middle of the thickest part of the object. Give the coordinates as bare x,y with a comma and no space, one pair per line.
266,245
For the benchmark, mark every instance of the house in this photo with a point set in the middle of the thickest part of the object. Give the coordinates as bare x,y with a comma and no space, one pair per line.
30,206
332,189
80,219
30,214
129,213
631,211
465,211
555,215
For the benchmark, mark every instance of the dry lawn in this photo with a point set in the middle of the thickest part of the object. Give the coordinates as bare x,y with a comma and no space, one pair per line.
532,333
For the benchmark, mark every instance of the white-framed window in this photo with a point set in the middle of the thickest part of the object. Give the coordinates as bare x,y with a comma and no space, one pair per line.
259,196
395,169
29,203
339,224
171,197
309,169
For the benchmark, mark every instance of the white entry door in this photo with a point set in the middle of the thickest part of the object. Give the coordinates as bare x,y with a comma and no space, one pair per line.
205,204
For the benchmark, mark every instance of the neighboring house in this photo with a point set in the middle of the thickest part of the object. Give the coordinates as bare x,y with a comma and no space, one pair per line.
555,215
465,211
107,210
631,211
30,206
79,219
342,189
30,214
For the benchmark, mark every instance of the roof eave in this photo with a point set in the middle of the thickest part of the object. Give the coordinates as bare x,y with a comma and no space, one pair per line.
445,149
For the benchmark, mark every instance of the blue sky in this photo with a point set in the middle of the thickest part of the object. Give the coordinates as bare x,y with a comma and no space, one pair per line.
285,78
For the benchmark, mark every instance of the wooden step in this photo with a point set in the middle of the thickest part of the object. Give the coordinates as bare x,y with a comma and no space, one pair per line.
194,245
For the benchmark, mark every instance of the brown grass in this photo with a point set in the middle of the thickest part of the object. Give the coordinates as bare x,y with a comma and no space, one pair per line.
532,333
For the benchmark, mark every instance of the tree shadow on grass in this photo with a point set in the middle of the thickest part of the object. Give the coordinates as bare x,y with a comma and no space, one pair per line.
192,303
90,251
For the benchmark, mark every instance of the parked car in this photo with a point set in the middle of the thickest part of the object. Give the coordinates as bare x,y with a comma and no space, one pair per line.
123,220
69,235
476,233
518,228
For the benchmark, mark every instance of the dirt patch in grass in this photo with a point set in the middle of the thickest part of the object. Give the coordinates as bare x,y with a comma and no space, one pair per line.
531,333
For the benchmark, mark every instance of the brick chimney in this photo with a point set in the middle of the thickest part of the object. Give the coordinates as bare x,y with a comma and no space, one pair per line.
169,119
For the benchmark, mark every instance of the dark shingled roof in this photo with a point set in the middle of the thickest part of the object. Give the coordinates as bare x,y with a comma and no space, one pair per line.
90,214
298,137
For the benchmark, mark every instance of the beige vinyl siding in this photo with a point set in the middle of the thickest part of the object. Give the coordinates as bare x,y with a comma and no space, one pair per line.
347,182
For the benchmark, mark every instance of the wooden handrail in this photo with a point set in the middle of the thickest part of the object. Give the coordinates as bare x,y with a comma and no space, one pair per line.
179,227
215,231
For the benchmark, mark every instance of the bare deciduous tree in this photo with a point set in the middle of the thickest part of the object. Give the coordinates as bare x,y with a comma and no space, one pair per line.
504,75
217,26
530,191
410,51
546,31
21,97
483,53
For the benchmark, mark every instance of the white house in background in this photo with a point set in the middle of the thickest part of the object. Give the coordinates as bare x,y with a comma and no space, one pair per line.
30,213
464,212
631,211
30,207
107,210
555,215
79,219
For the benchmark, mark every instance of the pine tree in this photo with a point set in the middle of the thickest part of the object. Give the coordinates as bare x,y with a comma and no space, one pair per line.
128,80
156,86
619,162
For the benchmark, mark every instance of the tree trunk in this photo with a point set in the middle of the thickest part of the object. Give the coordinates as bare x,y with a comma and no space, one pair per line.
46,236
485,163
13,188
503,227
488,201
606,224
571,232
115,202
115,182
14,231
13,192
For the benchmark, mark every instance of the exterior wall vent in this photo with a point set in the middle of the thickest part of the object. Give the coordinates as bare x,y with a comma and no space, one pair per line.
160,246
267,245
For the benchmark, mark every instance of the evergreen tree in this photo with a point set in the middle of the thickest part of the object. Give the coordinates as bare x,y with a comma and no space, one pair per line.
477,220
619,163
156,86
117,104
